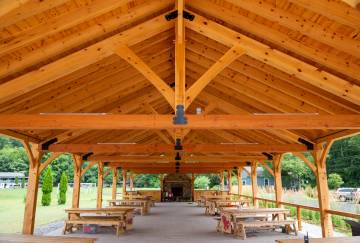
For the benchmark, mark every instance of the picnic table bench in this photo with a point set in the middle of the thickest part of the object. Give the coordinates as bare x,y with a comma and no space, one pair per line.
140,197
17,238
215,206
120,218
237,221
143,206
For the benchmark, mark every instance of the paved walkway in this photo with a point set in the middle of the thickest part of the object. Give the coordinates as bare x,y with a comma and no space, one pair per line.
177,222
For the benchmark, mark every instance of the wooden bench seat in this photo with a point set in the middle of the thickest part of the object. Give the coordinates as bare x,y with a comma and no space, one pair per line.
241,226
116,222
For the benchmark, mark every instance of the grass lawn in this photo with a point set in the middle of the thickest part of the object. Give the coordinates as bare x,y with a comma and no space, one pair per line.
12,202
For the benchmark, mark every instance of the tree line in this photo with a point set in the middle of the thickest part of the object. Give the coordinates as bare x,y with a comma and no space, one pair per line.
343,161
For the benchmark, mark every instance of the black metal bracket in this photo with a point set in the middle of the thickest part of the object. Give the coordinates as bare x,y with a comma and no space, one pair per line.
269,156
180,118
86,156
174,15
188,16
45,146
178,145
309,145
177,157
177,164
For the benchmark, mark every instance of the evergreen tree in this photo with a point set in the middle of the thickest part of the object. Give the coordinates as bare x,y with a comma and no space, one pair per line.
23,182
63,188
47,187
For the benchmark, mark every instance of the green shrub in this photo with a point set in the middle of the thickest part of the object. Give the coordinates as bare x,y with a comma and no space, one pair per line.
16,180
335,181
62,189
47,187
317,216
202,182
22,182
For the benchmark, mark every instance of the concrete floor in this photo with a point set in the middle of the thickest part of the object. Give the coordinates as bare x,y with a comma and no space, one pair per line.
177,222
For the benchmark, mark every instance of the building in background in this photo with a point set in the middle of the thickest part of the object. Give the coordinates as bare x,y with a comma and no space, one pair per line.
8,179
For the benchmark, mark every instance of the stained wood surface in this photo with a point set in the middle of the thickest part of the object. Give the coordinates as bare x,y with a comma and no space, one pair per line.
354,239
13,238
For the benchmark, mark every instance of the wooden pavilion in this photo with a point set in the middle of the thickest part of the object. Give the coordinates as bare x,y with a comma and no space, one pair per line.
164,86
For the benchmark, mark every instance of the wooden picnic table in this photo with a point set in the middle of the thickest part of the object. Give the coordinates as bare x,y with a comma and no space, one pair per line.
143,205
215,206
17,238
354,239
229,217
126,214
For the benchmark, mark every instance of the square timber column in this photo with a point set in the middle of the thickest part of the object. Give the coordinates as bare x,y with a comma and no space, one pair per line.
278,181
239,180
114,183
222,186
77,180
319,155
34,156
124,183
193,187
254,186
131,179
229,180
100,185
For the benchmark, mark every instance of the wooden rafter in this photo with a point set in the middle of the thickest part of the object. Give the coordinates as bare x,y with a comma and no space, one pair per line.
107,121
212,72
127,54
300,24
280,60
80,59
326,59
333,10
63,22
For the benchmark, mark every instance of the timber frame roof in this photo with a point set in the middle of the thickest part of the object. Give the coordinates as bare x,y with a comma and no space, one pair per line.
295,64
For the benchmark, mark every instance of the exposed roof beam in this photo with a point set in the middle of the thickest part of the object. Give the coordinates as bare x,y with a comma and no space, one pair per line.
127,54
299,23
180,55
81,59
333,10
280,60
184,158
152,148
19,136
338,135
108,121
231,55
13,11
60,23
6,6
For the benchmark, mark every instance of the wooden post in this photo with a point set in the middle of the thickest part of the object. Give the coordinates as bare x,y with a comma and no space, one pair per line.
161,186
114,183
124,182
322,187
239,180
131,181
222,181
229,180
192,187
34,156
77,180
278,181
299,218
100,185
254,182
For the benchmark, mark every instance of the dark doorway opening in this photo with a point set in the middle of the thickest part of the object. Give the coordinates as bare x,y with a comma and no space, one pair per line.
177,192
